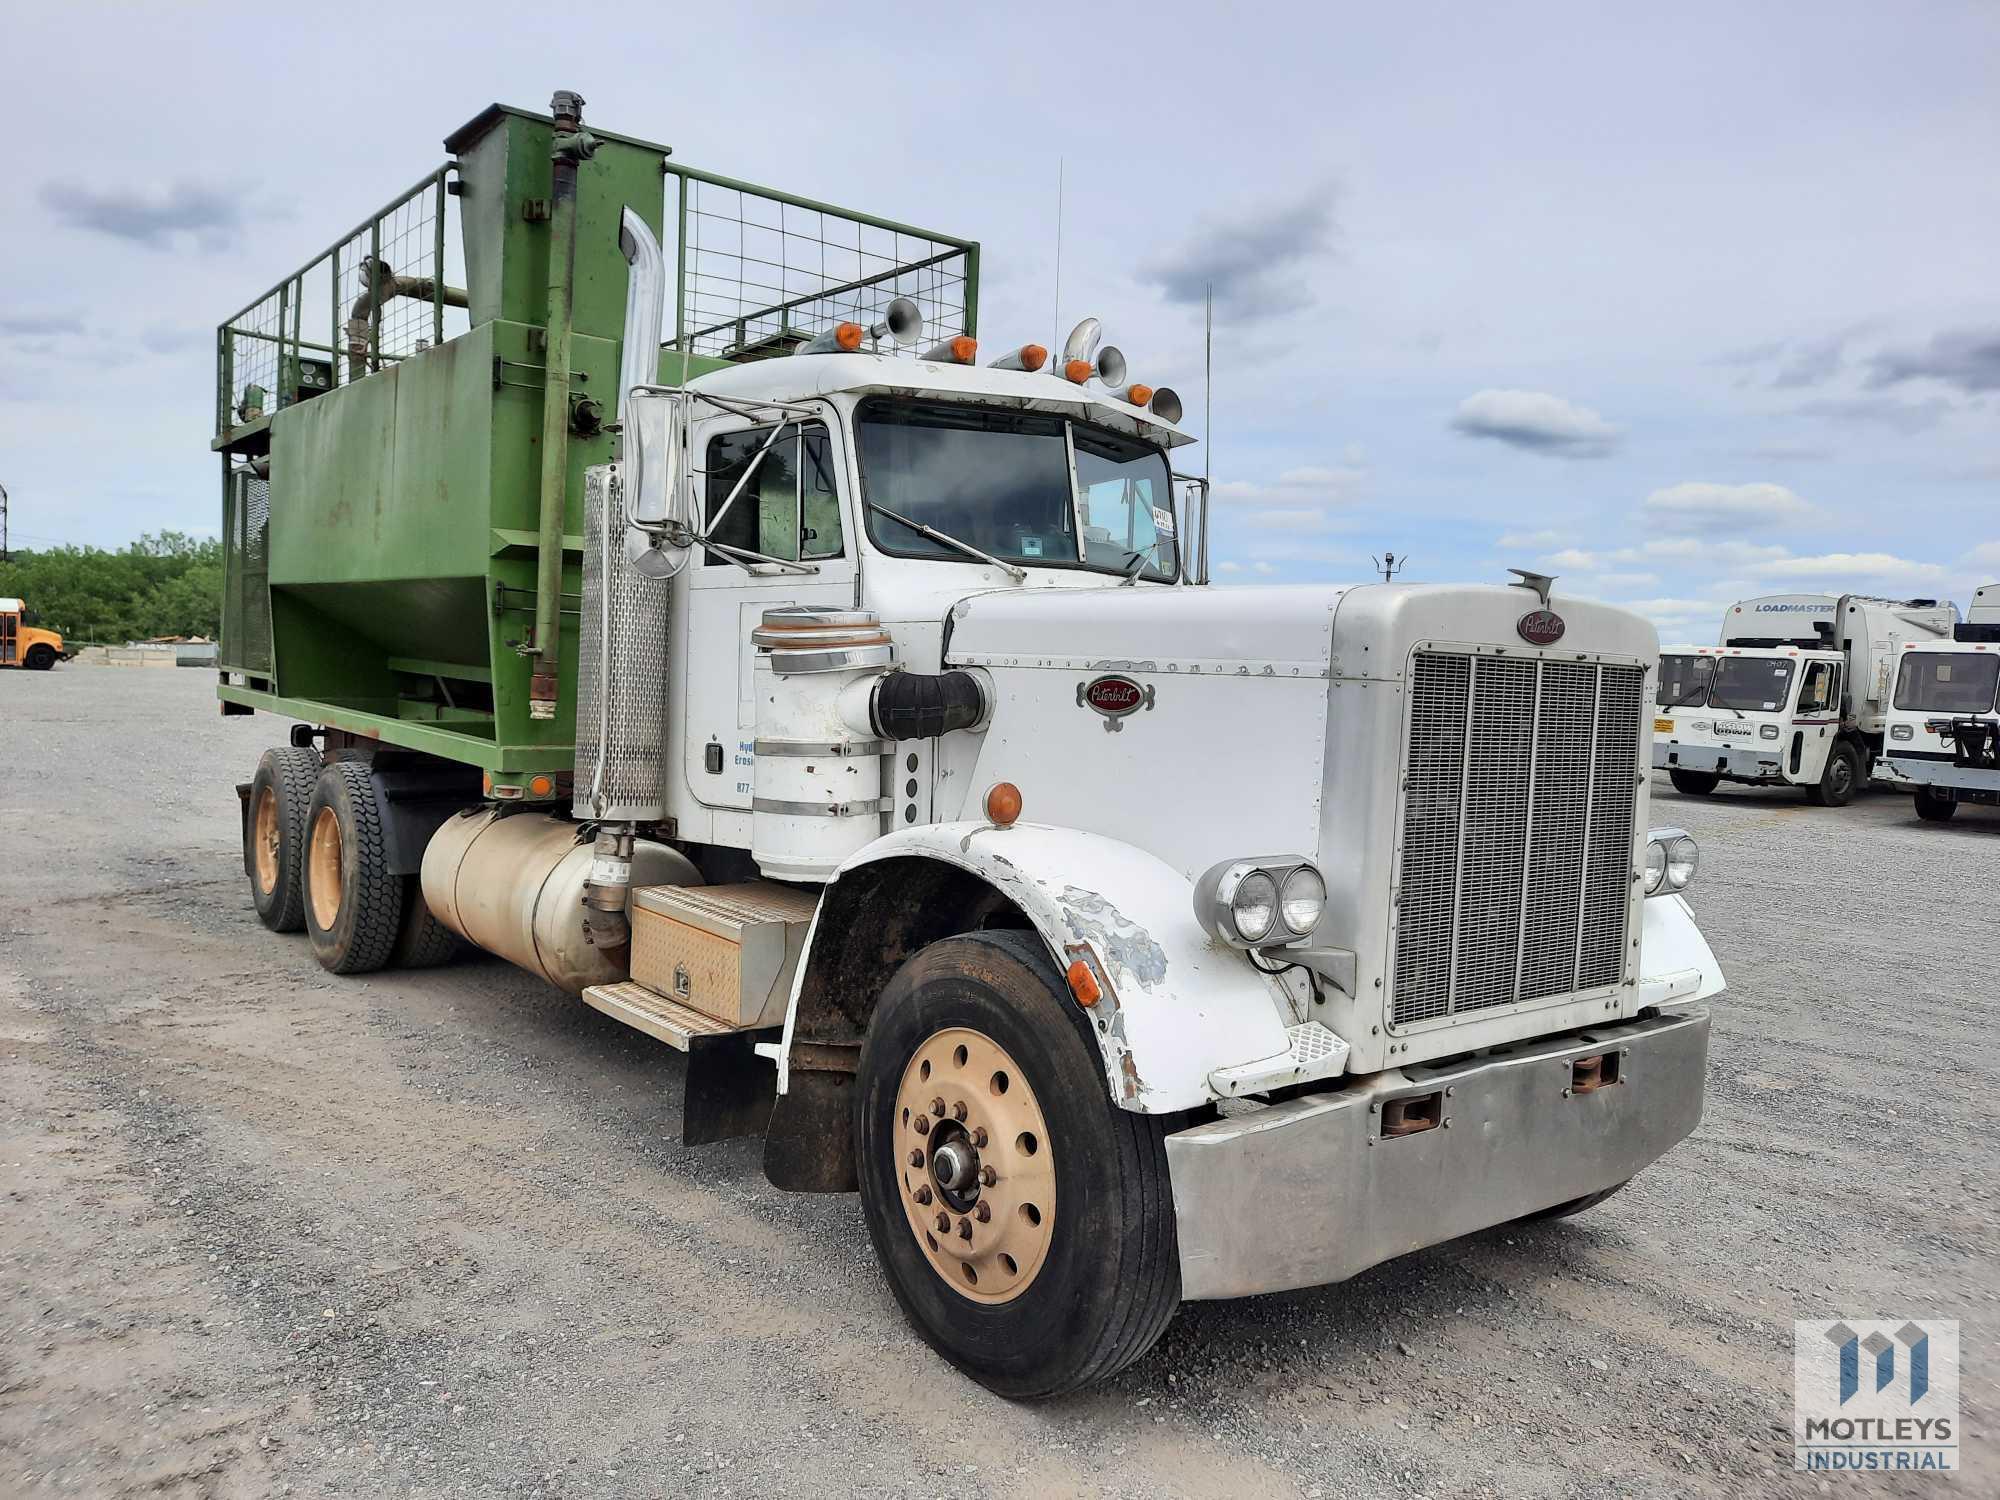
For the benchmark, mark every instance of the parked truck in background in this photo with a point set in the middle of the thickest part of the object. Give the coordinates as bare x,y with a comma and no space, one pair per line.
1944,722
25,645
1796,694
855,718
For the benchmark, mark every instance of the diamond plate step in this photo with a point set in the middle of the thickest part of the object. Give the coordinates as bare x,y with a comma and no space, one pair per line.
653,1013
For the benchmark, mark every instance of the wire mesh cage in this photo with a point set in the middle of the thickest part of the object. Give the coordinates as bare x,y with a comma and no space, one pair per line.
761,272
380,294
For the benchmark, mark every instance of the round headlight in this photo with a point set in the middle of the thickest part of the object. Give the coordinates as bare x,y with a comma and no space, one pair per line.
1656,865
1254,906
1302,900
1682,856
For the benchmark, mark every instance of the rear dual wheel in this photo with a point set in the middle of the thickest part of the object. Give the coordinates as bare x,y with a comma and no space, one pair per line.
1933,808
1025,1223
359,915
274,835
1693,783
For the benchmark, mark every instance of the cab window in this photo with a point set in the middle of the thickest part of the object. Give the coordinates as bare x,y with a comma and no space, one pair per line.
1684,681
1816,692
789,509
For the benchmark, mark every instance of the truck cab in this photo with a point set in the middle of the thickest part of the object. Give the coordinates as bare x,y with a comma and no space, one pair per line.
1757,716
1944,719
25,645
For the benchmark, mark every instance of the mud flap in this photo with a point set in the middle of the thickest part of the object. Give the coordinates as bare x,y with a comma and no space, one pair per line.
729,1090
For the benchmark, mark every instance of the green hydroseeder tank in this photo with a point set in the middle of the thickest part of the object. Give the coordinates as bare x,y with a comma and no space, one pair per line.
405,422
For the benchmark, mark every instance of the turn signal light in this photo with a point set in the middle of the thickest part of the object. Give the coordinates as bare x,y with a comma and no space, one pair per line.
1003,804
1083,984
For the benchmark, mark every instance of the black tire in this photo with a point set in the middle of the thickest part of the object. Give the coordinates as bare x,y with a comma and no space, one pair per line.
1109,1281
1694,783
280,792
422,942
1933,808
41,656
1839,781
354,906
1574,1206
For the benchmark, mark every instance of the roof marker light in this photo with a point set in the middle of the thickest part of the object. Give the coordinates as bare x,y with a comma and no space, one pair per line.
842,338
1027,357
953,351
1076,371
1137,394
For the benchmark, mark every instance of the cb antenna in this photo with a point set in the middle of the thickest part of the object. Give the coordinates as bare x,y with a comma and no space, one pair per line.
4,557
1390,565
1207,413
1056,341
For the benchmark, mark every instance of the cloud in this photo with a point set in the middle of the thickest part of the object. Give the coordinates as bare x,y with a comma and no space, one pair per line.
38,325
1838,566
1702,507
1264,568
1967,359
163,338
1536,421
1876,411
1229,567
1311,519
155,217
1312,488
1985,555
1531,541
1794,364
1256,260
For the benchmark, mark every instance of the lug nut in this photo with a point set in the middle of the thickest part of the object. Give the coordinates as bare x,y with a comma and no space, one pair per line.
988,1176
979,1137
983,1212
921,1124
965,1229
944,1223
916,1158
958,1111
937,1108
924,1194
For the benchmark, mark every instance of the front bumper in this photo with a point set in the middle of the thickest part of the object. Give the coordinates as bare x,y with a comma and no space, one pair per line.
1975,783
1311,1191
1736,762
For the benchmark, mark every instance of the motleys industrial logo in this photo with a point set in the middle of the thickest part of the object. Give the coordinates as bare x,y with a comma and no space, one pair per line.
1875,1394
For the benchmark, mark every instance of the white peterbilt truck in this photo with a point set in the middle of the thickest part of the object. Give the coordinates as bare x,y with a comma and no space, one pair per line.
1796,694
1122,940
1944,722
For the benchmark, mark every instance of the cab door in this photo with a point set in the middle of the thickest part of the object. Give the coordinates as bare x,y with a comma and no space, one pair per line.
790,503
1815,721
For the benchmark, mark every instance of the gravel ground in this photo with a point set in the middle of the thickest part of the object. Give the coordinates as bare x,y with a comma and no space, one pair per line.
269,1232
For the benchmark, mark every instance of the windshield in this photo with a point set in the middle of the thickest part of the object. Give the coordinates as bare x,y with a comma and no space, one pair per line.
1684,681
1000,481
1754,683
1948,682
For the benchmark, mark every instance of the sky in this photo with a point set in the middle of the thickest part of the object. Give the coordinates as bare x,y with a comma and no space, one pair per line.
1681,305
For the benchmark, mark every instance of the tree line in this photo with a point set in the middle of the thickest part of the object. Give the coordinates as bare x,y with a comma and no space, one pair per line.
165,584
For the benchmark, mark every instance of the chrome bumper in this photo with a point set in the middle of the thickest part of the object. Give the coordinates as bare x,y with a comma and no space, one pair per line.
1737,762
1311,1191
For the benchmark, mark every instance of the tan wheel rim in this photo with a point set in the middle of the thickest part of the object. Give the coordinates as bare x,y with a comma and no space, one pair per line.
264,840
323,876
976,1165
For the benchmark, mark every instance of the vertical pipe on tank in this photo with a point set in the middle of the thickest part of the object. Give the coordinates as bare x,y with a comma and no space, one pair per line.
570,146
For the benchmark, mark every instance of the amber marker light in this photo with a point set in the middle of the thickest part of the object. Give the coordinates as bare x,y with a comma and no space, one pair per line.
848,336
1077,371
541,786
1033,356
1138,395
1083,984
963,349
1003,804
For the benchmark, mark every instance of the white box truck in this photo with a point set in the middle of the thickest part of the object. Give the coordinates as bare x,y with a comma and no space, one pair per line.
1944,719
1796,694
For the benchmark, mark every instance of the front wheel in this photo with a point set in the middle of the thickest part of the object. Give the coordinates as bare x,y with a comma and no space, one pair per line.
1933,808
1026,1223
1694,783
1839,781
41,656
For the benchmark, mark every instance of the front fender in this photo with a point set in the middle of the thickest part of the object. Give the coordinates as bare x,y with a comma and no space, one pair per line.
1677,967
1176,1005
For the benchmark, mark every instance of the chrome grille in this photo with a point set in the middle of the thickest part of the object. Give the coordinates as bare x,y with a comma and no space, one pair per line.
1519,803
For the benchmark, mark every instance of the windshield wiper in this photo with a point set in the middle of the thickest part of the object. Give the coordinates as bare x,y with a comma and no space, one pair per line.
1136,564
944,540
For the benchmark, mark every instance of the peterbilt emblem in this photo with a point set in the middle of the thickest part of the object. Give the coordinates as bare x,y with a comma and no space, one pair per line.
1540,627
1114,697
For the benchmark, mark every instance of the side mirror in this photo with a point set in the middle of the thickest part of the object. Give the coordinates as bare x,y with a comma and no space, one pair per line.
655,475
